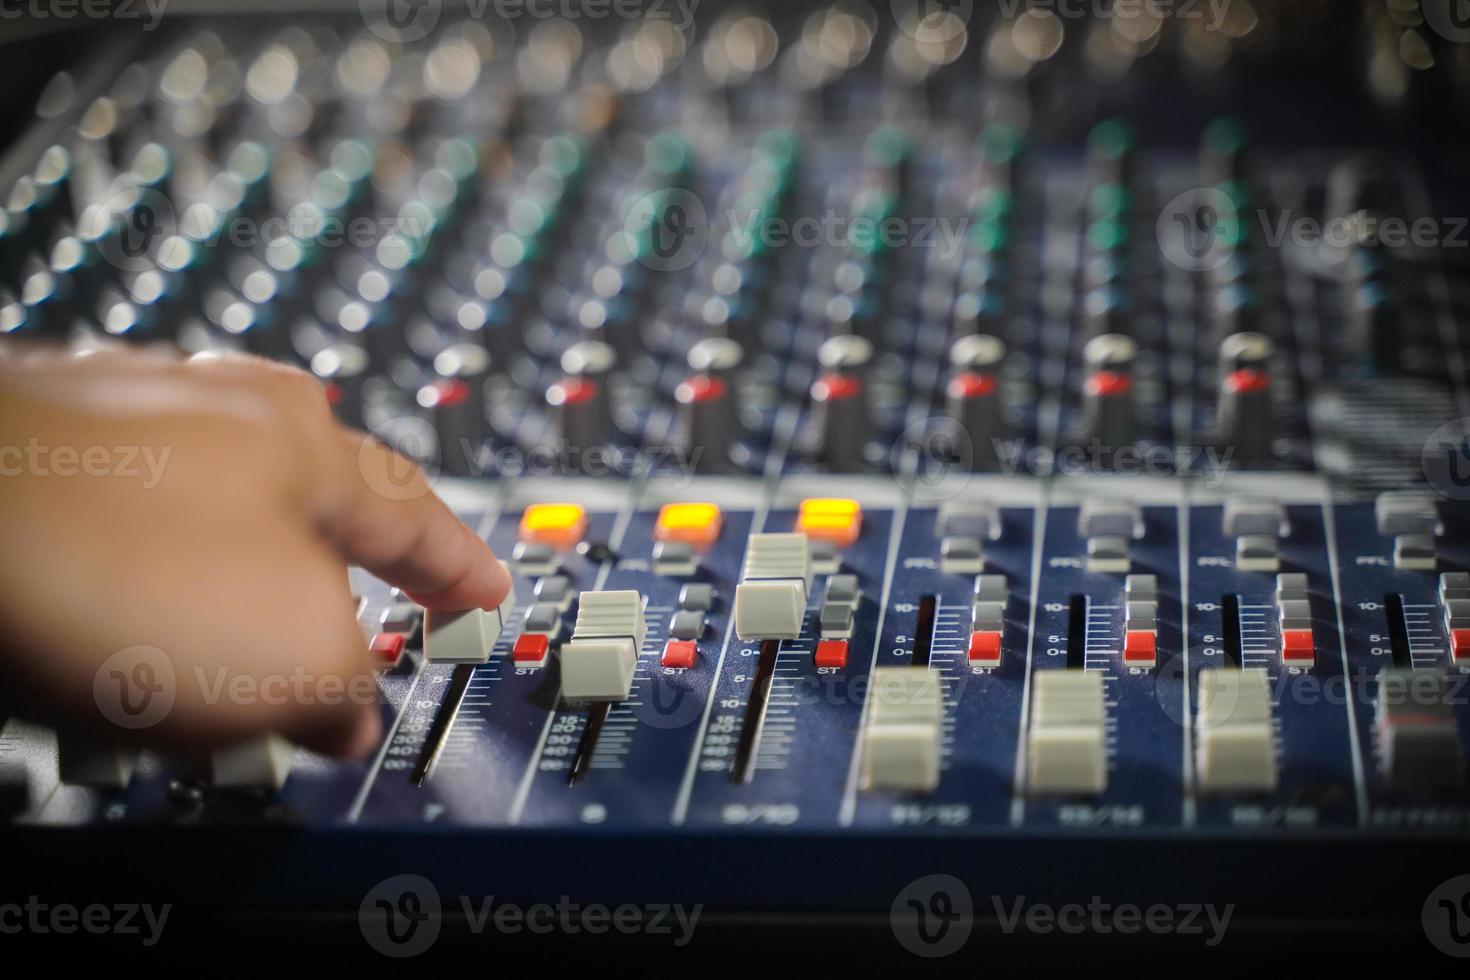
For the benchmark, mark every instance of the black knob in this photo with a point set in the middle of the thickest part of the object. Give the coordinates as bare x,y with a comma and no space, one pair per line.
840,402
1245,414
972,397
580,402
455,402
1108,391
707,402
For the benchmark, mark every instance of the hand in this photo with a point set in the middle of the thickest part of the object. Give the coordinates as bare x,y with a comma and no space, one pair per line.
208,508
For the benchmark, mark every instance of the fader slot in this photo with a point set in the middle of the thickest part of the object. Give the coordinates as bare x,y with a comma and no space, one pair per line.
755,711
1230,629
924,630
1398,630
1077,632
459,682
587,745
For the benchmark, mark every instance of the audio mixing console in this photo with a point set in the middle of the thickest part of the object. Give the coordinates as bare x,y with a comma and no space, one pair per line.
992,442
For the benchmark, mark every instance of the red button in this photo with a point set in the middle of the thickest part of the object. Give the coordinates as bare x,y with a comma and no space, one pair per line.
835,387
1140,647
831,653
388,647
680,653
698,389
1460,645
1108,384
1297,646
971,385
985,648
530,648
1246,381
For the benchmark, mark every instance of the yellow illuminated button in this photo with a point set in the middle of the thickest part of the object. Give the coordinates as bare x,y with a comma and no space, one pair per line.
694,524
559,525
830,519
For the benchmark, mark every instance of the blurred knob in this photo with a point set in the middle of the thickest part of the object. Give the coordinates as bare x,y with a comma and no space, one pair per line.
840,402
1108,391
1245,415
707,402
972,396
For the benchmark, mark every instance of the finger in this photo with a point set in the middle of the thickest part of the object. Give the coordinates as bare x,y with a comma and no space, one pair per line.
312,676
387,519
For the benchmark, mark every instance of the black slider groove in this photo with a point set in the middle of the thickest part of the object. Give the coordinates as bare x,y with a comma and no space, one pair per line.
755,710
1077,632
1398,630
1230,629
924,631
591,732
459,682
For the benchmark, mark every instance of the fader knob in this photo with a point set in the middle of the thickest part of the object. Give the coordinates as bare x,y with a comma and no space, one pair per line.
455,402
972,397
840,401
707,402
1108,390
1245,415
580,402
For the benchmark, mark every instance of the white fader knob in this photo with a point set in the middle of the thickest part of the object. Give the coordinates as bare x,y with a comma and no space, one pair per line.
902,730
465,636
260,763
1068,747
598,662
770,601
1235,742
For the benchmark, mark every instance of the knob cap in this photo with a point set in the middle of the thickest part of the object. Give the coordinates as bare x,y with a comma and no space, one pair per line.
1108,391
972,397
455,402
580,402
1245,414
840,401
707,402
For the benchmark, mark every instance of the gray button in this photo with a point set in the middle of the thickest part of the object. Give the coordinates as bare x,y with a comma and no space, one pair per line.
1296,614
1406,512
401,617
1414,551
687,624
1454,585
1108,553
1248,514
1457,613
1143,614
842,588
1144,588
992,588
697,595
1291,585
674,558
961,555
835,620
1257,553
542,617
968,519
988,617
1107,518
535,558
555,589
825,558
